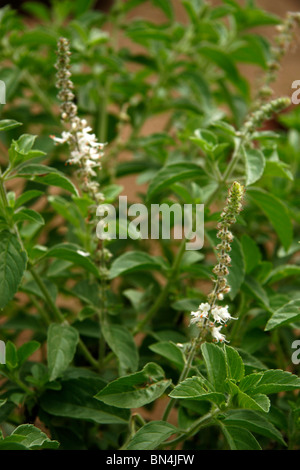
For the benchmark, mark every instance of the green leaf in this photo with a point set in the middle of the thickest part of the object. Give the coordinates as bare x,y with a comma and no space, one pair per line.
46,175
75,400
120,340
252,254
252,286
27,196
151,435
256,402
21,151
8,124
133,261
136,389
215,362
170,351
276,212
11,355
240,439
255,164
235,366
223,60
61,346
73,253
8,444
33,438
165,6
250,381
286,314
28,215
278,170
13,262
26,350
171,174
275,381
255,422
281,272
193,388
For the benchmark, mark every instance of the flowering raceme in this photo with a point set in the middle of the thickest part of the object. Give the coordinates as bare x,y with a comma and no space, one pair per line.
209,314
86,151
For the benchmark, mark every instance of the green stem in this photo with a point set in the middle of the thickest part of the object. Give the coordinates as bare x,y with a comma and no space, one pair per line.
41,311
183,376
57,313
192,430
21,384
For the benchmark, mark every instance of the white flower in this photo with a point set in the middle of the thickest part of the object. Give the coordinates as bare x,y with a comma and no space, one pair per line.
204,308
196,317
217,336
65,137
201,313
221,314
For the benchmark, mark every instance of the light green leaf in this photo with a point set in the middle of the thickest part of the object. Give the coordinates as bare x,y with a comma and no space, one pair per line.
255,164
215,362
258,402
136,389
275,381
8,124
33,438
27,196
150,436
13,262
194,388
11,355
61,346
286,314
276,212
278,170
235,366
120,340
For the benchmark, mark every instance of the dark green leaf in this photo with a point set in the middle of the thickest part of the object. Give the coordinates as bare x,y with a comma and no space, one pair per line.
151,435
13,261
136,389
61,346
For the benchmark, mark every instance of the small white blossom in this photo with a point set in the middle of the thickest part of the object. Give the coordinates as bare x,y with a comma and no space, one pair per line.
217,336
201,313
221,314
204,308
